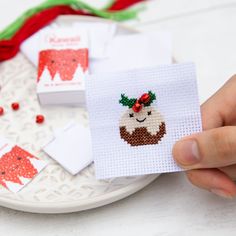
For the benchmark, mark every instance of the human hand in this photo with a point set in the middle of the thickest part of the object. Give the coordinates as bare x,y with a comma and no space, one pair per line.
210,156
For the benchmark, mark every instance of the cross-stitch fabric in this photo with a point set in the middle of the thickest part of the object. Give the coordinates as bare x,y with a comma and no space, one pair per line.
136,117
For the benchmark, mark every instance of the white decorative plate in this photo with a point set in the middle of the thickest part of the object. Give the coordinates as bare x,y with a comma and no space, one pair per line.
53,190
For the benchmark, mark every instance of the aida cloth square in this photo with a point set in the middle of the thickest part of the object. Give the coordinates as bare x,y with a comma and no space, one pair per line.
136,117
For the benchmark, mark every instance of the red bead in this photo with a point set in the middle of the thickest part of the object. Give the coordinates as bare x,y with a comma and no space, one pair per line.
15,106
1,111
40,119
137,107
145,98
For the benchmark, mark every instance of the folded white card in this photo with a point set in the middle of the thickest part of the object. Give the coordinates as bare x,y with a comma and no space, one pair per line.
71,148
136,117
135,51
100,35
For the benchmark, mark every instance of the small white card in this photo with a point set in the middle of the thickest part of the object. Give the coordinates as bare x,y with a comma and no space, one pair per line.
100,36
63,64
136,117
17,166
71,148
134,51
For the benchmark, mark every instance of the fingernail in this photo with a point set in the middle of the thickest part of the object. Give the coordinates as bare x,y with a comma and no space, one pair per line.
221,193
186,152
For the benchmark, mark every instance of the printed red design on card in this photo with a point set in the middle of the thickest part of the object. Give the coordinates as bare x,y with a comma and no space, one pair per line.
16,164
64,62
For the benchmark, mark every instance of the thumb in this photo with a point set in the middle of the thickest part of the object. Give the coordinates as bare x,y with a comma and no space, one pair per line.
208,149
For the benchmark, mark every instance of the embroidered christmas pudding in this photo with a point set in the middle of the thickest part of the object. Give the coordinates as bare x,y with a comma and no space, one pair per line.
141,124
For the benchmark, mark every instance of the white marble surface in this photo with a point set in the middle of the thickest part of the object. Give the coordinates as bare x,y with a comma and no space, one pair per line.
204,32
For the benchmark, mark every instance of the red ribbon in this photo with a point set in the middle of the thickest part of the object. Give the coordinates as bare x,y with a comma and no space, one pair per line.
123,4
9,48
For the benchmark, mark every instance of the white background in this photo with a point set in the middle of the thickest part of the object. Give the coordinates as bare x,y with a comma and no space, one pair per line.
204,32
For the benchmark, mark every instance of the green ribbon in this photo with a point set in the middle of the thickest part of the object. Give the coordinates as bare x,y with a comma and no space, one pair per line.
11,29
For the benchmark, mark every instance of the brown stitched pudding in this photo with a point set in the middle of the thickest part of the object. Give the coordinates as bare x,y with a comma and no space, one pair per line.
145,127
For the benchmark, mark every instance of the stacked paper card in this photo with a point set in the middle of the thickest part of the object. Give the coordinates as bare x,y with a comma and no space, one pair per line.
62,66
